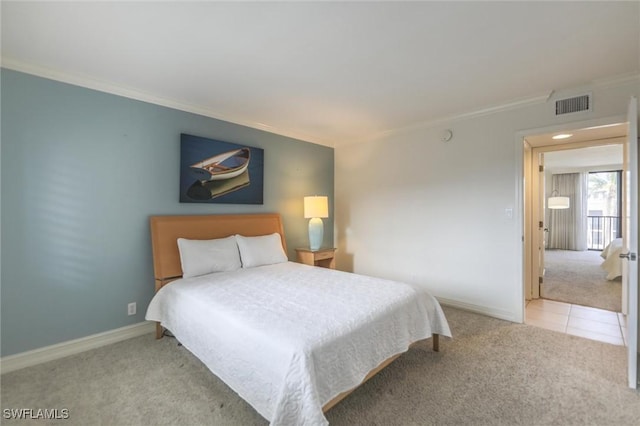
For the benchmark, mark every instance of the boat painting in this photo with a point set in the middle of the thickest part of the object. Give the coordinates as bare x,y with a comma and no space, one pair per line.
222,166
213,171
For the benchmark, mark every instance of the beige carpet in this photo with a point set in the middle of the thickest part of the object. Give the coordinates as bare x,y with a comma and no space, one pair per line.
576,277
493,373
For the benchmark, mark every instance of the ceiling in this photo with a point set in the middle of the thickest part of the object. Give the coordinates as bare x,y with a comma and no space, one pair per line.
324,72
582,158
609,153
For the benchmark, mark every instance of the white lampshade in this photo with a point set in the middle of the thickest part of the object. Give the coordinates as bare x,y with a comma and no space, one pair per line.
558,203
316,206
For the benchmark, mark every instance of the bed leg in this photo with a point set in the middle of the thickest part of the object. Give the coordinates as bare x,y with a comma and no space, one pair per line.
436,342
159,331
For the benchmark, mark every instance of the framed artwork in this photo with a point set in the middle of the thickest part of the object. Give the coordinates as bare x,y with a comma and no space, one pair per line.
213,171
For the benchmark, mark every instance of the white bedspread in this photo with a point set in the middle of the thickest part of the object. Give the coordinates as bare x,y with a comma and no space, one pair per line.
288,337
612,263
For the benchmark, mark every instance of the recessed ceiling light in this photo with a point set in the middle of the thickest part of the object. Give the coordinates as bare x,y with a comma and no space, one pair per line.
562,136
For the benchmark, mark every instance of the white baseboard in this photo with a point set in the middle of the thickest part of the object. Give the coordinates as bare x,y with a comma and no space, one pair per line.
491,312
72,347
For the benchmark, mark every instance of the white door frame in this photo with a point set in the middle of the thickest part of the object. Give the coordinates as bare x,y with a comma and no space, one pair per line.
523,191
538,213
630,267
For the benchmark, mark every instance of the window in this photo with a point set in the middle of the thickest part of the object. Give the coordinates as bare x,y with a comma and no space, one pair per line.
604,204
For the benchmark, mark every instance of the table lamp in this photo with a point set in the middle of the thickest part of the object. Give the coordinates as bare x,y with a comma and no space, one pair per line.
315,208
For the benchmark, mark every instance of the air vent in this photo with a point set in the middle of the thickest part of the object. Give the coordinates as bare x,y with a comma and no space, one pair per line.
571,105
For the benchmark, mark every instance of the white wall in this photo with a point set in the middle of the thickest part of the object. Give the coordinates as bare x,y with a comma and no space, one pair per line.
411,207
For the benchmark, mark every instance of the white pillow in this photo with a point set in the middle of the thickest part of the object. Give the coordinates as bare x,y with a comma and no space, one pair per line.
262,250
200,257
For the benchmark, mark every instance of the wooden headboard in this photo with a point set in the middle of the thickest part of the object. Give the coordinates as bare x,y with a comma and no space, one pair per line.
165,231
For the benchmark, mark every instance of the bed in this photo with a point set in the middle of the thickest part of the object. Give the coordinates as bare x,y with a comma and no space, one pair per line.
612,263
291,339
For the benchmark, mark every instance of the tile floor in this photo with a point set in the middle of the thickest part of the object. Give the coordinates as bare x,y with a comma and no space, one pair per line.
590,323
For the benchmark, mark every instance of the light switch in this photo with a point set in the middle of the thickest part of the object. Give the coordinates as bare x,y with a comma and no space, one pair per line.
508,213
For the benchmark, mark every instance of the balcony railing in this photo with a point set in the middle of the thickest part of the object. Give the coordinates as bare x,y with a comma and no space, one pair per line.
601,230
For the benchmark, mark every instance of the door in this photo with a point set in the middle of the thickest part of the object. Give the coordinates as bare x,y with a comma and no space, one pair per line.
542,223
630,241
527,191
535,283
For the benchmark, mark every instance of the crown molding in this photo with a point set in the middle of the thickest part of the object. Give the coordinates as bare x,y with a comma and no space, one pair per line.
493,109
602,83
128,92
507,106
633,77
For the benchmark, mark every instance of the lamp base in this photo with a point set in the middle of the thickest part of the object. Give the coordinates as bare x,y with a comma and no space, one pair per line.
316,233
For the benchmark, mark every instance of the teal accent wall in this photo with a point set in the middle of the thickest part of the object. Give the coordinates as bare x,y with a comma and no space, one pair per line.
81,173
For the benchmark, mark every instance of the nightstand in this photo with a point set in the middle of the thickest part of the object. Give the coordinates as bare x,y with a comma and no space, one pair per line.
324,257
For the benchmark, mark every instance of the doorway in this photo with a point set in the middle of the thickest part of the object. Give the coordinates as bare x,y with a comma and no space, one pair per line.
582,240
594,149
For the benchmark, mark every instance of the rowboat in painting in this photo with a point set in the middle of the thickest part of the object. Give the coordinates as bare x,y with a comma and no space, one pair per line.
222,166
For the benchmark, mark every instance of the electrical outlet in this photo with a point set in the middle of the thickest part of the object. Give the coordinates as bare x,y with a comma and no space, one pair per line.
131,308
